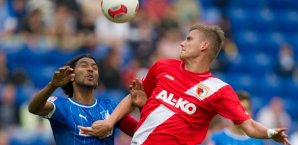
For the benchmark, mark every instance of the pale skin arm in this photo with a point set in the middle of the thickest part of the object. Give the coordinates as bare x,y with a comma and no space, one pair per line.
256,130
103,128
39,104
136,98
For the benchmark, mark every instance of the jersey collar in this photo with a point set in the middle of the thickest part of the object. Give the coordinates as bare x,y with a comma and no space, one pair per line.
82,105
203,74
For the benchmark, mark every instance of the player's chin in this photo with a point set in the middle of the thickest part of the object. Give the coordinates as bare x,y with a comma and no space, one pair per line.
90,84
182,56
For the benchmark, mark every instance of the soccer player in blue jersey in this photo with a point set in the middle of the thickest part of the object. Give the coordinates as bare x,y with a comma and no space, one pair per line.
78,79
234,135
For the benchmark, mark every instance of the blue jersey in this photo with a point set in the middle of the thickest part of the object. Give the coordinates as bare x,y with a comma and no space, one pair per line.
67,115
225,137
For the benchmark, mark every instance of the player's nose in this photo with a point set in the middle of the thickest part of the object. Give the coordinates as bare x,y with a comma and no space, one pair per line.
90,69
182,44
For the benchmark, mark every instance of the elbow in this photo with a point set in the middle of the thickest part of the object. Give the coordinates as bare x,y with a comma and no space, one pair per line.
247,127
253,129
32,109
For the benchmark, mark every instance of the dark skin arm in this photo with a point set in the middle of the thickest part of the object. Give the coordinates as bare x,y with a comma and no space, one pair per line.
39,104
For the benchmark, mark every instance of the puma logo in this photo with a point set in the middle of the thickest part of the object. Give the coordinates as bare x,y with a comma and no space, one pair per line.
84,117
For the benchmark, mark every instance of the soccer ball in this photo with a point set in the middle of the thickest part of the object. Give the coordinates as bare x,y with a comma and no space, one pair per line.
119,11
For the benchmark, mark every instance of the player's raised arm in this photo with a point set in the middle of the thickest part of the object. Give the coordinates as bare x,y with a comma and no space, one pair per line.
39,105
257,130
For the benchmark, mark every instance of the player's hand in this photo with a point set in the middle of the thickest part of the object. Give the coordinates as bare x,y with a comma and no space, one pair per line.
100,129
281,136
137,93
62,77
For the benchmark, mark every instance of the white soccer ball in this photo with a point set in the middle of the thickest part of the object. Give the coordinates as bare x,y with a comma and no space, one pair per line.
119,11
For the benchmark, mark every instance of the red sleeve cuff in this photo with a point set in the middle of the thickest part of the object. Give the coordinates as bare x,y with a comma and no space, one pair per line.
128,125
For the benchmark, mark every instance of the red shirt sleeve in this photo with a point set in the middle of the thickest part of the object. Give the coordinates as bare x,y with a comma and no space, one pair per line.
227,104
128,125
149,81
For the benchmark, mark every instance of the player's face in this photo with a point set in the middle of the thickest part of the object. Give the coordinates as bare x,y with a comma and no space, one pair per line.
86,73
192,45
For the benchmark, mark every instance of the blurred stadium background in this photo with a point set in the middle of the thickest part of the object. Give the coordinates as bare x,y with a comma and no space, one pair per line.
39,36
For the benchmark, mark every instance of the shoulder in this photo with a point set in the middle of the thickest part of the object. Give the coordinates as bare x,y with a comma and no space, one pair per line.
226,88
104,100
216,88
107,102
214,81
215,84
164,61
55,99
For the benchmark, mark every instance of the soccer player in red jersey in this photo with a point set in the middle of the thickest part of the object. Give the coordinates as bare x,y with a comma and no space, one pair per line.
183,96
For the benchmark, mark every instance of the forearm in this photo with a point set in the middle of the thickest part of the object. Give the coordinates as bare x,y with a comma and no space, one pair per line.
123,108
257,130
39,100
254,129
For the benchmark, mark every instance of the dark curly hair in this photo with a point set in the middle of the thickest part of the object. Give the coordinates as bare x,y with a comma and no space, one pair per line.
68,88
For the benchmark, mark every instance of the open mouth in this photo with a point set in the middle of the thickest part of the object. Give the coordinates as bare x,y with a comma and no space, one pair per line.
90,77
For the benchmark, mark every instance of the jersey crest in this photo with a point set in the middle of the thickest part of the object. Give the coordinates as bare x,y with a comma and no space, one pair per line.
206,88
52,98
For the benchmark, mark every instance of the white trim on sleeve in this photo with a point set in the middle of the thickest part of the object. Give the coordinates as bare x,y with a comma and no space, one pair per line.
50,113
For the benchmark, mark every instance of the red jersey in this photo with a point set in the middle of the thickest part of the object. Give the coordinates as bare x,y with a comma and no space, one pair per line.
181,104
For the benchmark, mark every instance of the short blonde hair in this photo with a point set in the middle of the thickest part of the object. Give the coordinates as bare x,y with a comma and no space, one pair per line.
214,34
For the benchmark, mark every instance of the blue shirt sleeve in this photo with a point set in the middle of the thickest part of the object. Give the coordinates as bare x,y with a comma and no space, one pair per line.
58,114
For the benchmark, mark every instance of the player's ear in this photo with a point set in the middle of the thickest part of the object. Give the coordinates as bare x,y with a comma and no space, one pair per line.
204,45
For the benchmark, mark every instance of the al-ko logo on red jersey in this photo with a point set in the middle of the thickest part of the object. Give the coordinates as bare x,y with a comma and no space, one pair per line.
182,104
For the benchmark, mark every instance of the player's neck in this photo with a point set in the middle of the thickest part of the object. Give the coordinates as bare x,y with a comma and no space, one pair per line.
236,130
84,96
198,65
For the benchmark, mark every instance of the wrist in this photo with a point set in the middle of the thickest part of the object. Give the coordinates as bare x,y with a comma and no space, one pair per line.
51,86
111,121
271,132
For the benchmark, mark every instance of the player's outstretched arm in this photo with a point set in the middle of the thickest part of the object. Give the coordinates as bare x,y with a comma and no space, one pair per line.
136,98
256,130
39,105
103,128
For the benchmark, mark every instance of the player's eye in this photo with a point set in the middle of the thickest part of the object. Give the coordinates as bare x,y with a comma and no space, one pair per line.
95,67
84,65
